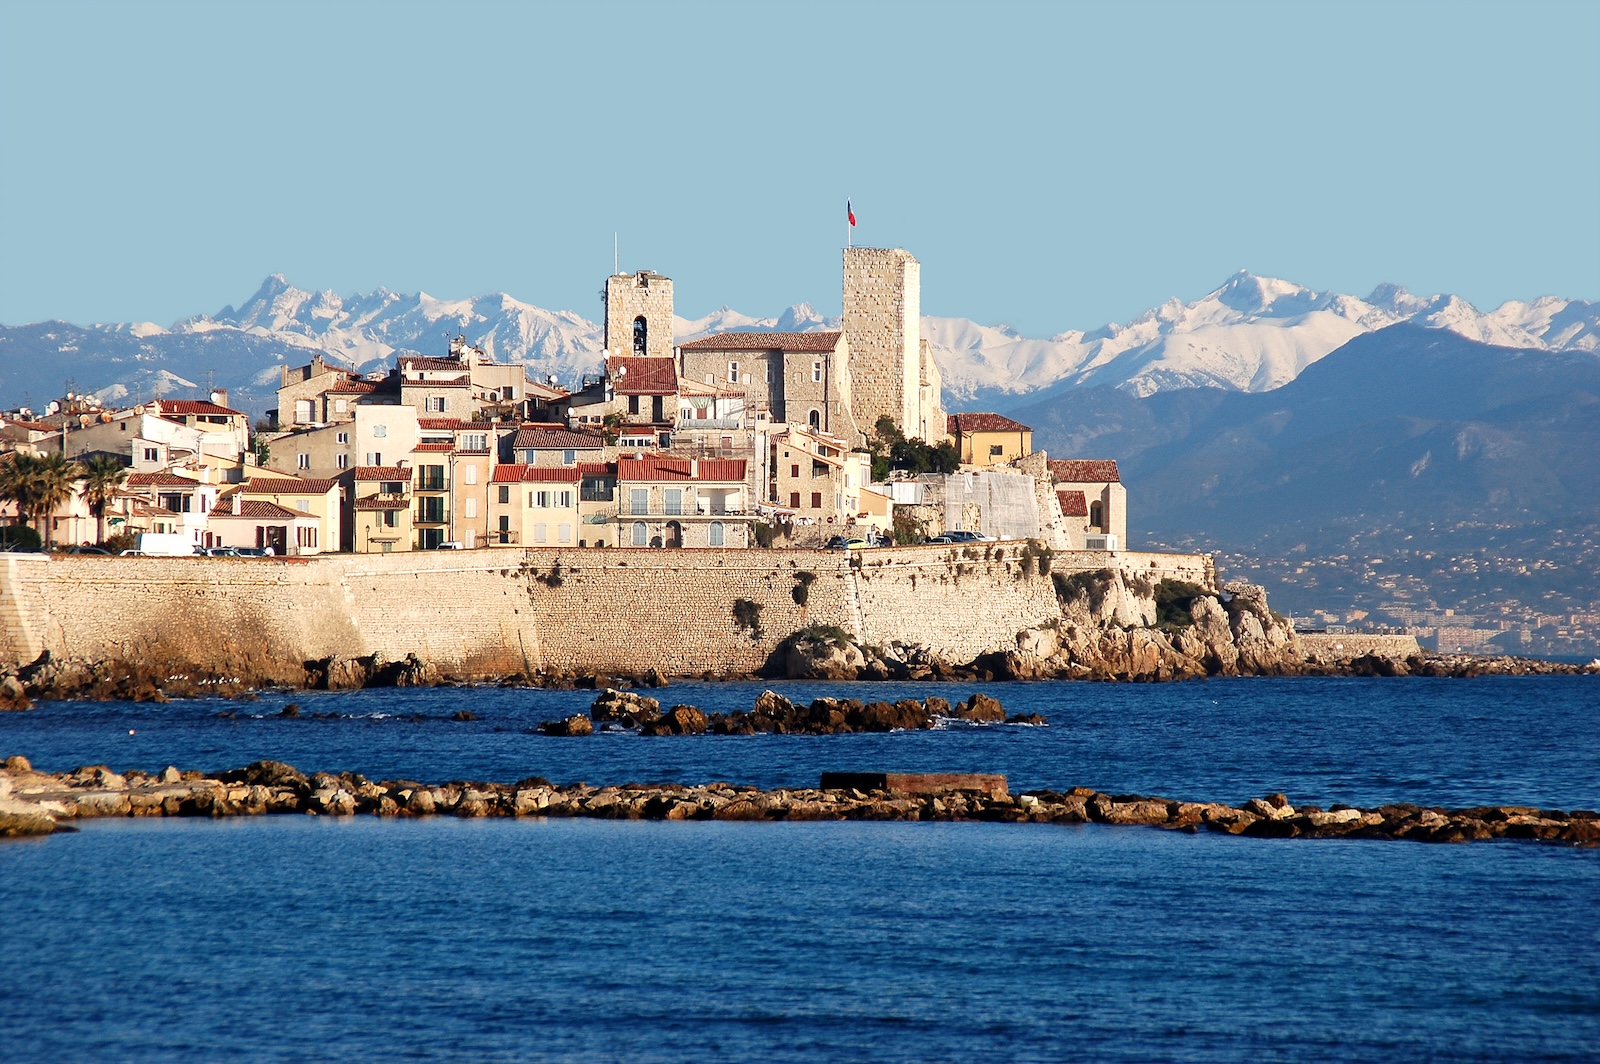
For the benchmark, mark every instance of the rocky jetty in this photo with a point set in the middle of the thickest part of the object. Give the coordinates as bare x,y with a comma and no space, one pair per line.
33,803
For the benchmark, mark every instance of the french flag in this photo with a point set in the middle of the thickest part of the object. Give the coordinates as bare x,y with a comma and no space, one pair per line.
850,213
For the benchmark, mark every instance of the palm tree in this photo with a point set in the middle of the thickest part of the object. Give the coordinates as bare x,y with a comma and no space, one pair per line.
103,474
16,483
55,479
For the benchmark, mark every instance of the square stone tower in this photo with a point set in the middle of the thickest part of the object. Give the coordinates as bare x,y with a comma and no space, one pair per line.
882,322
638,315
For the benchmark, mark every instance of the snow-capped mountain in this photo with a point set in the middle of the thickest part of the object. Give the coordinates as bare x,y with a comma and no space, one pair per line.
1252,334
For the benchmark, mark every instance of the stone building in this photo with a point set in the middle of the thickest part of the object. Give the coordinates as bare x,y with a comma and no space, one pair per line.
818,478
797,378
676,502
638,315
1094,504
892,370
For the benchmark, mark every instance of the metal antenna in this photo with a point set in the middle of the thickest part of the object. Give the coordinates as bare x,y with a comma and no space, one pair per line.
616,256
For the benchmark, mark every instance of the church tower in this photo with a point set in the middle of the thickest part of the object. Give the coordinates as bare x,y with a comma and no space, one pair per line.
891,370
638,315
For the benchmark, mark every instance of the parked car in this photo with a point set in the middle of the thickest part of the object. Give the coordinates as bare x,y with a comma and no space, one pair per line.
252,552
220,552
847,543
451,545
86,549
962,536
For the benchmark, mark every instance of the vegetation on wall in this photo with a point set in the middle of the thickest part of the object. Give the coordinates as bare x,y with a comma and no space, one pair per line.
1174,598
747,617
801,592
892,450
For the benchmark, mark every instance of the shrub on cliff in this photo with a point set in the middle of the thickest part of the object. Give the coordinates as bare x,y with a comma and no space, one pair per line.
1174,601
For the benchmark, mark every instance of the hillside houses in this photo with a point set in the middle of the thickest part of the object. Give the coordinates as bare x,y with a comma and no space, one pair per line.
668,445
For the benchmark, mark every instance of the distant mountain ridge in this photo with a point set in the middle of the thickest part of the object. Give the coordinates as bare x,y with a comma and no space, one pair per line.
1252,334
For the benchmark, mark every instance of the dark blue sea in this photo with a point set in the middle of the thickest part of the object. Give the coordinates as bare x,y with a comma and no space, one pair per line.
295,938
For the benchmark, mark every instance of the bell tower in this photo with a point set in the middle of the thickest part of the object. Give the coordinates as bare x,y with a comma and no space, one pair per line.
638,315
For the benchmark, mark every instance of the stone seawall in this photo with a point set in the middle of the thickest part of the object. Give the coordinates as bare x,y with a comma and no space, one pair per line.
1323,646
493,612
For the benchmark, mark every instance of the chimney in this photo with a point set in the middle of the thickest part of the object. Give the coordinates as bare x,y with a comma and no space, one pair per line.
219,396
694,468
238,503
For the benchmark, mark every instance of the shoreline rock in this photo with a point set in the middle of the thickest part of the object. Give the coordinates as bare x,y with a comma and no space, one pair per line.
42,803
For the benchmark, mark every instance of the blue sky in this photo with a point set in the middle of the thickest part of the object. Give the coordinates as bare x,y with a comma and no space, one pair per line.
1053,166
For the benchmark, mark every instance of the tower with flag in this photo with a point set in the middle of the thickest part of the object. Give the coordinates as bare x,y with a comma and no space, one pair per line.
850,230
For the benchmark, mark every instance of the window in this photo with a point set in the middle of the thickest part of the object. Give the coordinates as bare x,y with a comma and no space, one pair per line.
794,469
303,505
539,500
847,480
733,372
538,532
390,519
433,404
380,431
342,461
816,373
772,372
340,406
505,495
633,404
563,533
390,487
430,477
302,460
815,418
475,441
569,456
469,507
996,450
342,437
639,501
816,500
302,410
508,392
469,474
386,547
641,335
374,458
794,500
674,500
1096,516
641,534
564,500
505,529
714,534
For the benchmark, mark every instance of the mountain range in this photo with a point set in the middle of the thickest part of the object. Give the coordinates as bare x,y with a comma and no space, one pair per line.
1252,334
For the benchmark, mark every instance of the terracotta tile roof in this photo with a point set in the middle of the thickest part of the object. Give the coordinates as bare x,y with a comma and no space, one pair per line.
353,387
164,480
645,376
1073,504
1084,471
449,424
597,469
424,362
440,447
819,342
258,510
289,486
659,468
194,406
966,424
150,510
382,504
382,472
453,382
517,473
555,439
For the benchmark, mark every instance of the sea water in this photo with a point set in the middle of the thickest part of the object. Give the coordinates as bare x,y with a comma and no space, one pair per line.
287,938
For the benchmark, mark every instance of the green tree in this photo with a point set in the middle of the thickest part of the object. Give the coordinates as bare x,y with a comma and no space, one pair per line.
892,450
103,474
38,484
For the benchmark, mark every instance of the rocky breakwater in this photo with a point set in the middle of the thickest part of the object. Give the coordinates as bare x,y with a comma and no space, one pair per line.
34,803
774,714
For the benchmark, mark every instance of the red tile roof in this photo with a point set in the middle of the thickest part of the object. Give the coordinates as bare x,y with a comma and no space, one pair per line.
660,467
424,362
598,469
440,447
1073,504
258,510
644,376
195,406
449,424
516,473
966,424
164,480
555,439
289,486
353,387
382,472
382,504
1084,471
819,342
452,382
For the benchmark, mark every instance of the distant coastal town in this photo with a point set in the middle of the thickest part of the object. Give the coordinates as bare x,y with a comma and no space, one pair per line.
733,441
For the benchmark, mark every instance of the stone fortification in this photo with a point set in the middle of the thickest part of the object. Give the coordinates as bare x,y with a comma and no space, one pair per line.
496,612
1323,646
882,320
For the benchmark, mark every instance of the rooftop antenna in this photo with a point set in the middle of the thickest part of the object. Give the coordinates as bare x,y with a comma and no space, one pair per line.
616,257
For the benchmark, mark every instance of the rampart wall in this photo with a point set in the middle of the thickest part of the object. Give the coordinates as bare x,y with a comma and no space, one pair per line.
497,611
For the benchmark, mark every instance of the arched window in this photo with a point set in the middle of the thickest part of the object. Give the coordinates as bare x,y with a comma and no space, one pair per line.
641,335
714,534
1096,516
641,534
816,419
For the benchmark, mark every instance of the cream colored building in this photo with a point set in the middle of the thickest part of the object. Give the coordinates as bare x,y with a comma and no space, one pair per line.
533,507
989,439
381,510
676,502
